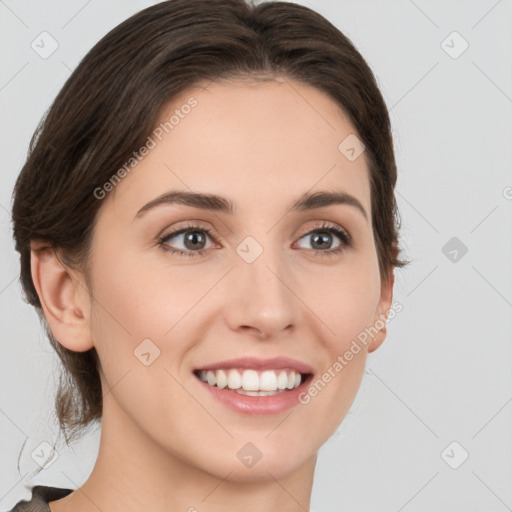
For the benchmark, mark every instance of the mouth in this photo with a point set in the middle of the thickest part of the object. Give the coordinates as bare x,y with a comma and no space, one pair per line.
252,382
255,386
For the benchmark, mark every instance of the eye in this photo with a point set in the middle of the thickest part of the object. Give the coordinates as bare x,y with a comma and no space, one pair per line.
194,240
195,236
321,237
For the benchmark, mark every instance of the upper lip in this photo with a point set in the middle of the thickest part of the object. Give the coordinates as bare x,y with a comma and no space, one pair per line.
253,363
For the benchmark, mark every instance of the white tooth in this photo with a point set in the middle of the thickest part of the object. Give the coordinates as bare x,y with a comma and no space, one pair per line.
291,380
212,380
282,380
268,381
257,393
234,379
266,384
250,380
248,393
222,380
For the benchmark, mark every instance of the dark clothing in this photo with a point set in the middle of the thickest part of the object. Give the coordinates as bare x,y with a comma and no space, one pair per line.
41,495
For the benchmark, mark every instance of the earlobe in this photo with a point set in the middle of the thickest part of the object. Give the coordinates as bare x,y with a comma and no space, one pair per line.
63,298
380,320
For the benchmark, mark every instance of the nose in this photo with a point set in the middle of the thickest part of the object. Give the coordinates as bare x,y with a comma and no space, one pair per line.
261,297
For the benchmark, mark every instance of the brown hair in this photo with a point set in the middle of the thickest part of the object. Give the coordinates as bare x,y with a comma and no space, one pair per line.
112,101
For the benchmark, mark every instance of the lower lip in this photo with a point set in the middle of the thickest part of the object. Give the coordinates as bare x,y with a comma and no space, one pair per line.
257,405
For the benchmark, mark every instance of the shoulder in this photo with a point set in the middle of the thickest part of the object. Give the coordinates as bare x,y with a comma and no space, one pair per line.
41,495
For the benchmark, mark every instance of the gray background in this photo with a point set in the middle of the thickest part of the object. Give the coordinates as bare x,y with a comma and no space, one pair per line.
444,372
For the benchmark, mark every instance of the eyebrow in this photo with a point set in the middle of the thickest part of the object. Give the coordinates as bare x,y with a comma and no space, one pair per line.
212,202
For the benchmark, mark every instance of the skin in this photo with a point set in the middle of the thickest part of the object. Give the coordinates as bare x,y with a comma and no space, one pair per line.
166,445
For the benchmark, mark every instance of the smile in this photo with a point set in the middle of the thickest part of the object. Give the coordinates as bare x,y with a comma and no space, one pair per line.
252,382
254,386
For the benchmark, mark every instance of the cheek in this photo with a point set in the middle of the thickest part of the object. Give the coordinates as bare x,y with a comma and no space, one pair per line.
134,313
345,298
141,301
345,301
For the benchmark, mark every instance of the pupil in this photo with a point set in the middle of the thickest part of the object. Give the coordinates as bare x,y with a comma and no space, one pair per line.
324,237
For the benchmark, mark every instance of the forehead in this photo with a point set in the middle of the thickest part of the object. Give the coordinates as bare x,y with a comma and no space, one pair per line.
253,142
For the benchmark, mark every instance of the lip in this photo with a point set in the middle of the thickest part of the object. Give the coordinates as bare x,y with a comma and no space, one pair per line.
256,405
253,363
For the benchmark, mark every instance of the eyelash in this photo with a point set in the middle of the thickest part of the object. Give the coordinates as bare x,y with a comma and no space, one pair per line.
345,239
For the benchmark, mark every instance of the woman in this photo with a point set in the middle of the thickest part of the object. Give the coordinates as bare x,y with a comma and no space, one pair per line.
207,226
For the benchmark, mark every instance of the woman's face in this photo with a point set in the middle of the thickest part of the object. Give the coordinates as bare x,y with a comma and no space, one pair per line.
265,280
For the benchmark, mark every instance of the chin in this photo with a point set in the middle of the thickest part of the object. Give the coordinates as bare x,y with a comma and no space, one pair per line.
268,462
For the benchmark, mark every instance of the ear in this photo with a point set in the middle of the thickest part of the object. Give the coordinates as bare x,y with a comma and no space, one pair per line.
64,298
382,312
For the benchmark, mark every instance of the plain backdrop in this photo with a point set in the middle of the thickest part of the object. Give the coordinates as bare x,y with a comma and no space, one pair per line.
431,427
